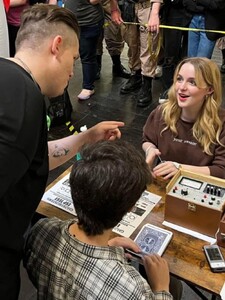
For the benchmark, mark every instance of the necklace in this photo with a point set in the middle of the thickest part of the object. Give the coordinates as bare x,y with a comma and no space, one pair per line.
26,68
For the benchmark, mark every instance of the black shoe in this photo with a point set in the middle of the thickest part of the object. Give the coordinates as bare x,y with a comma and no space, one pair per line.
222,68
120,71
163,97
133,83
145,94
145,98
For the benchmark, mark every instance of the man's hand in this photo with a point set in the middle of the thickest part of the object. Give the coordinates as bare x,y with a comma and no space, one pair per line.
157,272
107,130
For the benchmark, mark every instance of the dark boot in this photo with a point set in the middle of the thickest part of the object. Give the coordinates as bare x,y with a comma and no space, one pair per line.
145,94
118,69
99,66
133,83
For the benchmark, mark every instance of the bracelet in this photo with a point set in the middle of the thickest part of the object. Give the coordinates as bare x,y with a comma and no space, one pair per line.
176,165
149,148
113,10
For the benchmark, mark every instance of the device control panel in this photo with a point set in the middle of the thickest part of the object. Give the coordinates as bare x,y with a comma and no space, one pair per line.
198,191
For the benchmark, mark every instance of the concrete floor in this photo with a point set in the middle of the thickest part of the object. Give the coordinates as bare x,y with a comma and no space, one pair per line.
107,103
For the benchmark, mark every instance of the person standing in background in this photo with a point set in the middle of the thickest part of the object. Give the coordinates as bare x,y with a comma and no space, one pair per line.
13,19
4,38
90,18
207,15
114,40
147,14
175,41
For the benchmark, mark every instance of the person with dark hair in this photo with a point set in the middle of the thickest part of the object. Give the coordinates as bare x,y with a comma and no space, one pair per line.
77,259
46,48
188,130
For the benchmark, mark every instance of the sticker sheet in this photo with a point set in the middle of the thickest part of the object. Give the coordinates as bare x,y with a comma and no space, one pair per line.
59,195
134,218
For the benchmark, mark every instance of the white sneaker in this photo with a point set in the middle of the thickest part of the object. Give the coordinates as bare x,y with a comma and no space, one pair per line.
85,94
158,72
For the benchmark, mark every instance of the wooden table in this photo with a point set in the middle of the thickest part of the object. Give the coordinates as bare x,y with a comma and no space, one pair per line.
184,253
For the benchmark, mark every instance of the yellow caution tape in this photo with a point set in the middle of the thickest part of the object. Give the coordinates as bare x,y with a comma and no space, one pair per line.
155,52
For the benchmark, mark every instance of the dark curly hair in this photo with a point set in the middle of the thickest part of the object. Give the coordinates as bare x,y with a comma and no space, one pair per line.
106,183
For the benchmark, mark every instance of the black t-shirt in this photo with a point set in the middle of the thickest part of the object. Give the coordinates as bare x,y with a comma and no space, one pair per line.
87,14
23,152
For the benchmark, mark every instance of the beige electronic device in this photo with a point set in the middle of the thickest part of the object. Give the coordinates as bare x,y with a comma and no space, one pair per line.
195,201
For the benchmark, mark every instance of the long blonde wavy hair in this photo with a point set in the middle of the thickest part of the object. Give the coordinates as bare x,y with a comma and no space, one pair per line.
208,126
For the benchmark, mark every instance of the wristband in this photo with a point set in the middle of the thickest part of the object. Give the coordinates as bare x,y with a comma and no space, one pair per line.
176,165
113,10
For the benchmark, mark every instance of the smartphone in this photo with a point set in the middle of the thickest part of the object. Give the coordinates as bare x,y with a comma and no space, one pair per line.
215,258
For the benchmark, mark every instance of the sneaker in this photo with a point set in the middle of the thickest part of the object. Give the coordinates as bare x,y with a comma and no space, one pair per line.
158,72
85,94
163,97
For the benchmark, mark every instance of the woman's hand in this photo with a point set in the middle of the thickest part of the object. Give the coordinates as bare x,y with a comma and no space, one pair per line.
165,169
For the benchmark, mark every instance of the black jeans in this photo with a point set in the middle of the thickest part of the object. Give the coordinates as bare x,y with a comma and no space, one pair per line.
89,36
175,48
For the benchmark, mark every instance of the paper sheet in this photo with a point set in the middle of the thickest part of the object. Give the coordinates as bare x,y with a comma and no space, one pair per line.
134,218
59,195
190,232
222,292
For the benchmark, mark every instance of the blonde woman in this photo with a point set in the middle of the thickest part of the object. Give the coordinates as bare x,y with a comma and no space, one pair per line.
188,130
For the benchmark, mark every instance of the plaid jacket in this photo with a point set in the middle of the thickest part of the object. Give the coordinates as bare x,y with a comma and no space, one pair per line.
61,267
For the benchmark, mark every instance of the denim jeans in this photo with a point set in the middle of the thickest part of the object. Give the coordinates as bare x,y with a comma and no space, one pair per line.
198,43
89,36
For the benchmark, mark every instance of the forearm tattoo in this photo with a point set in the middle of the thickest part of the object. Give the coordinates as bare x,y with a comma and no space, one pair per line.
59,151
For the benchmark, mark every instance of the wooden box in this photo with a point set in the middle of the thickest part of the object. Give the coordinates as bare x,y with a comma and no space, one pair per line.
220,237
195,201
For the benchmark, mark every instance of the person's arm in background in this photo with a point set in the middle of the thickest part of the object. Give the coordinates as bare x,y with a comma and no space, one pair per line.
64,149
212,5
94,2
115,12
154,21
53,2
14,3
